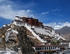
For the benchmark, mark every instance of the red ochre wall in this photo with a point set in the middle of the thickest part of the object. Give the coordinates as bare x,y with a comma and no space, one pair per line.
32,22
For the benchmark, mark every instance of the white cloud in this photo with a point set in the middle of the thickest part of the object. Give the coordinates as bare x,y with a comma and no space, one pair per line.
45,13
58,25
6,11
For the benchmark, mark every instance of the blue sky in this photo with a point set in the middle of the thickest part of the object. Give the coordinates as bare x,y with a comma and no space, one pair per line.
55,13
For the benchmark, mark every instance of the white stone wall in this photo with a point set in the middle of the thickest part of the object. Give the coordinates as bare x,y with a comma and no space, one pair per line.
18,23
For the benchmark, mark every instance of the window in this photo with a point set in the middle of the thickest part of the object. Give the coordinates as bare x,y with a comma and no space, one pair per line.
52,47
43,48
46,48
36,48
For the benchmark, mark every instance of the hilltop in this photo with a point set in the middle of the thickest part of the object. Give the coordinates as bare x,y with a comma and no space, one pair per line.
25,32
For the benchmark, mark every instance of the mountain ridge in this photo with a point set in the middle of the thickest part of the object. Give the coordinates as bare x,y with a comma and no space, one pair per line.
65,32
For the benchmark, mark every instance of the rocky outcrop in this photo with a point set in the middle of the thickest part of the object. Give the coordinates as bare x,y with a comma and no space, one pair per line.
2,37
24,43
3,30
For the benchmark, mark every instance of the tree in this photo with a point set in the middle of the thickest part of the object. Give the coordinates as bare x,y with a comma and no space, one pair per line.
24,42
53,42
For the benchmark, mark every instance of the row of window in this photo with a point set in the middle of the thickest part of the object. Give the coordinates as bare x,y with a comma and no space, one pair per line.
46,48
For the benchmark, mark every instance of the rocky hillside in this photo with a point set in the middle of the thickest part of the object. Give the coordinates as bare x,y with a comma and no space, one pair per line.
35,29
63,30
23,33
24,43
16,37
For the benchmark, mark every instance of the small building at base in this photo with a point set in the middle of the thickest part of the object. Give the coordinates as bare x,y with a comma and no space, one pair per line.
49,48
